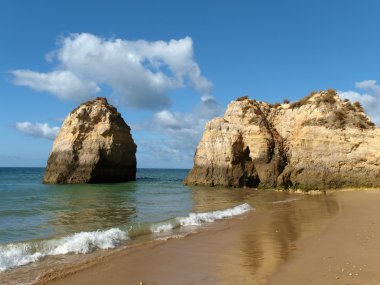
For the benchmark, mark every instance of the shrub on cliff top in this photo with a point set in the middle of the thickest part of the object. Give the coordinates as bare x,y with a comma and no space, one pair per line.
327,97
358,106
339,119
331,92
342,117
302,101
242,98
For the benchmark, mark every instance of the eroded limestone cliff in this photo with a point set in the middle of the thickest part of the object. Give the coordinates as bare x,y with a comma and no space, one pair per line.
94,145
318,142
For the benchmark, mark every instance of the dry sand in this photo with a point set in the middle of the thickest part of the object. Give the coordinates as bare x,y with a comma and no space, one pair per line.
316,240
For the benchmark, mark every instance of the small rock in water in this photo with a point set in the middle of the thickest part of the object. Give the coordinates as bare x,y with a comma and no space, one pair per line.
94,145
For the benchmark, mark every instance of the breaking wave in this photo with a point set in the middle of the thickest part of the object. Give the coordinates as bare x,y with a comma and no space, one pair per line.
17,254
197,219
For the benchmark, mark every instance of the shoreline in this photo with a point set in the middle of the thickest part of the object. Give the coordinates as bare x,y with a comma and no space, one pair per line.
299,239
240,250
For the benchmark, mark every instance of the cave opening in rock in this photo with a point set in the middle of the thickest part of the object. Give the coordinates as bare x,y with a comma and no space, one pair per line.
247,154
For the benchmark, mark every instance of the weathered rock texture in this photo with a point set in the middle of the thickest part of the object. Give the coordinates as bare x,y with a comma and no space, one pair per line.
318,142
94,145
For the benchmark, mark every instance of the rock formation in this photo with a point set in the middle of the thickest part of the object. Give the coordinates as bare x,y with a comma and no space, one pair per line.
94,145
318,142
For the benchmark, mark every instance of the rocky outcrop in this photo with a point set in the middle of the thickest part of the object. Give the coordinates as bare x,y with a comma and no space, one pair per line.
318,142
94,145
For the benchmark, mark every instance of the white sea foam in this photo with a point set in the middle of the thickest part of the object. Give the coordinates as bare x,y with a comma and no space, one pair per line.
86,242
285,201
13,255
162,228
170,237
196,219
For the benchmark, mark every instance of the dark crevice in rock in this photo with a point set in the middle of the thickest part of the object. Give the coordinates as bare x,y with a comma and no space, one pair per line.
276,141
244,167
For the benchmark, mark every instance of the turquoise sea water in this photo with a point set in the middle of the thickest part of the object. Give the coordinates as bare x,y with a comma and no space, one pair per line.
31,210
46,226
38,221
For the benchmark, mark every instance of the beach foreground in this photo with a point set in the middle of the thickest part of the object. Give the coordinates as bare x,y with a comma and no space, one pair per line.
313,240
346,252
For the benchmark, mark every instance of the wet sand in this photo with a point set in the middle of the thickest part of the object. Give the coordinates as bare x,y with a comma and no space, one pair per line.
347,251
242,250
332,239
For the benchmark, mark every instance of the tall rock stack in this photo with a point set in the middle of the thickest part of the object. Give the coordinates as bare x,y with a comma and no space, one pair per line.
94,145
318,142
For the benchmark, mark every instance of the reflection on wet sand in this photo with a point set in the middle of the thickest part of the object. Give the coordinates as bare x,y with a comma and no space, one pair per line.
242,250
273,241
268,236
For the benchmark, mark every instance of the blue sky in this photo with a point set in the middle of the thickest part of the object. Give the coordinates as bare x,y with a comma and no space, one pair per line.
196,56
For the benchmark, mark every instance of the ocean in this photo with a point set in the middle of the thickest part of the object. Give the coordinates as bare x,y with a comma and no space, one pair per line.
44,225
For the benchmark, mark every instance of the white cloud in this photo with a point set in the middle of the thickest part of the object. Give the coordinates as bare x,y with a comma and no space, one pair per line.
368,101
140,73
63,83
172,121
368,85
182,132
370,98
41,130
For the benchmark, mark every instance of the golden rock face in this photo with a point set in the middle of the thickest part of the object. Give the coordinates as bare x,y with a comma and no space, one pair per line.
94,145
319,142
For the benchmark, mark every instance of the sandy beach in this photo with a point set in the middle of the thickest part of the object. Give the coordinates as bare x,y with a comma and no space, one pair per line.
330,239
302,246
347,251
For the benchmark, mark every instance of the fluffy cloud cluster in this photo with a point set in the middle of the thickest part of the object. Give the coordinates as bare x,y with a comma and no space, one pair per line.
182,132
369,97
140,73
38,130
